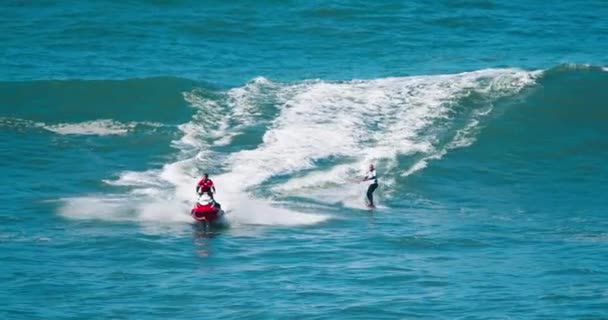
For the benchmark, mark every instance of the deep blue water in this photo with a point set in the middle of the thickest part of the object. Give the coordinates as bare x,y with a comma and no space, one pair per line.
487,122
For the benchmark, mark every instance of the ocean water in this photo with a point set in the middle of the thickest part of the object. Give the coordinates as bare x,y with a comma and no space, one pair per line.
488,123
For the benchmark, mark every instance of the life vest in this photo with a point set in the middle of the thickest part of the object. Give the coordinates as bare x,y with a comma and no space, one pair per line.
205,185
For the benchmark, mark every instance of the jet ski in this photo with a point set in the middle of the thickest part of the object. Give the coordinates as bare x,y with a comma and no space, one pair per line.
207,211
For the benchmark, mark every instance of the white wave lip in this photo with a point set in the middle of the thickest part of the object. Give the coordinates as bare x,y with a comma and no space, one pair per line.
100,127
103,127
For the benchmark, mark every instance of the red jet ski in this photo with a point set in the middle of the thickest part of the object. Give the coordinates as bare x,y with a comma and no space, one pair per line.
207,211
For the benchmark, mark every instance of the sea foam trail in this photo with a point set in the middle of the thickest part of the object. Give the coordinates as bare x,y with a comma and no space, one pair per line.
348,124
359,122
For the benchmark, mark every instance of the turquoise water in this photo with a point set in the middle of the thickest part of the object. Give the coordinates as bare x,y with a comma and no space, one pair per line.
487,122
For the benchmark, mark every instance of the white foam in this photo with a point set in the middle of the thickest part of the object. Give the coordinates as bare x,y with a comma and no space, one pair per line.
139,179
125,208
93,207
218,123
101,127
260,212
205,122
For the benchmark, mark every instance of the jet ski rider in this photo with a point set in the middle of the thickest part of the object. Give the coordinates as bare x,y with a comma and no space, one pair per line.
206,186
